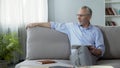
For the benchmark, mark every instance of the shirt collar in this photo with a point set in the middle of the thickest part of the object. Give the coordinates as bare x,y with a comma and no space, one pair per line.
89,27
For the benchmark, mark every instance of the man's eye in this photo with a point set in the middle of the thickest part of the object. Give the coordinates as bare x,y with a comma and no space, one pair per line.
80,15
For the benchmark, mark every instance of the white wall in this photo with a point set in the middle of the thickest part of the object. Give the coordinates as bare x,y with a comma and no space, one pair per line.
66,10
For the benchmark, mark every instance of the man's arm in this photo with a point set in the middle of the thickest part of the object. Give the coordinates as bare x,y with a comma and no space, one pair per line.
42,24
99,48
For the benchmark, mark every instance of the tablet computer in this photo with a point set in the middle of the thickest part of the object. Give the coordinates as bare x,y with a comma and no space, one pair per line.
78,46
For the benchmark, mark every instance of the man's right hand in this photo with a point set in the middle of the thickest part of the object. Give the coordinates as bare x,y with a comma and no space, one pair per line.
31,25
43,24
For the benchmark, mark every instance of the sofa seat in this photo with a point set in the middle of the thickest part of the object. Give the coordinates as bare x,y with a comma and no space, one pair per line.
36,63
113,62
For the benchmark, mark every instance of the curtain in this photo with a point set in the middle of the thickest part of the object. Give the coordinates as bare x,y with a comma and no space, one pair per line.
15,14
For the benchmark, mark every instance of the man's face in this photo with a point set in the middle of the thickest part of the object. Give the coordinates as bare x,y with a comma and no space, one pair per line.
83,16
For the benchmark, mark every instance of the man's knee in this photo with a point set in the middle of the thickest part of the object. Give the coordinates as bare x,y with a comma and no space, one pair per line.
83,49
85,56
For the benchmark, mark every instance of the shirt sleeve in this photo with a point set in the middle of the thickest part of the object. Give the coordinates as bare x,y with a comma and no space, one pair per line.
62,27
99,41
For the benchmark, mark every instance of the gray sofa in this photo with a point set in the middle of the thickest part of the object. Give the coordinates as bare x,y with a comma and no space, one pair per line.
45,43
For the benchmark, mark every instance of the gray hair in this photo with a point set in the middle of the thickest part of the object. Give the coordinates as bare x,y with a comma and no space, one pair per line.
89,9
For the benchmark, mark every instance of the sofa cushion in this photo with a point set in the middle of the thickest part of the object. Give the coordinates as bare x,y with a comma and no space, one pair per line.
45,43
112,41
115,63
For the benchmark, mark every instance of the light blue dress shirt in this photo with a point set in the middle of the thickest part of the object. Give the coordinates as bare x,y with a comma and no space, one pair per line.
79,35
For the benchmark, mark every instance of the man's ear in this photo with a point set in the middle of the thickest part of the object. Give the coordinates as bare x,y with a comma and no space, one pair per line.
89,17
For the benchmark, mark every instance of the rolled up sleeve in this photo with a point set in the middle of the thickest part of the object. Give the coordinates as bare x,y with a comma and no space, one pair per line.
62,27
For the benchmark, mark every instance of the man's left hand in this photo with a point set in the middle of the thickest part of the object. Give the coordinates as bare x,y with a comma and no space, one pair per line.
95,51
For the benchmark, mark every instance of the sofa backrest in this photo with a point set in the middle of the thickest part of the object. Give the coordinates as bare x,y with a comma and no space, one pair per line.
112,41
45,43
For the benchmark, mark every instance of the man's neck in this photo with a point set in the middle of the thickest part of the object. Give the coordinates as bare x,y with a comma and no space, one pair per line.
86,25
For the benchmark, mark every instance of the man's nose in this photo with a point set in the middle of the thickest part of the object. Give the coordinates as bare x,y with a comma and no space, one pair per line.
79,17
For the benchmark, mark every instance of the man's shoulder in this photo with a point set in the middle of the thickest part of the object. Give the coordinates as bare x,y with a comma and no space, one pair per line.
96,28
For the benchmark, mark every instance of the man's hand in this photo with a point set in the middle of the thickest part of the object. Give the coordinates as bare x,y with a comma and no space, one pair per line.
31,25
95,51
43,24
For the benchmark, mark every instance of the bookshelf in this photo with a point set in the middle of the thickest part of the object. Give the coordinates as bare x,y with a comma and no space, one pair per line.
112,16
112,12
112,2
